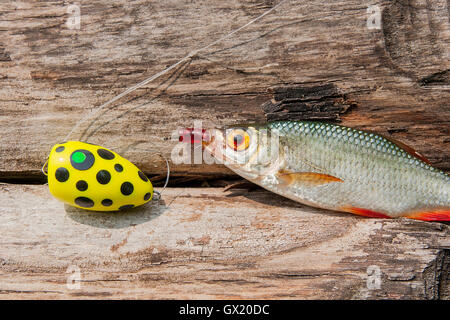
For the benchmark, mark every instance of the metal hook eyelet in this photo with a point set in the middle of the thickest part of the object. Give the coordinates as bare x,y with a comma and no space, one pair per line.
43,167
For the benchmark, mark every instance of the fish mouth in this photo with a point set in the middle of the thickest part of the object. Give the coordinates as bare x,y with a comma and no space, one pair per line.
214,141
210,140
193,135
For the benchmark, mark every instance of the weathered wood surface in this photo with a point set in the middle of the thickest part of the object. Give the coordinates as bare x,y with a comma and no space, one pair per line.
306,60
395,78
209,244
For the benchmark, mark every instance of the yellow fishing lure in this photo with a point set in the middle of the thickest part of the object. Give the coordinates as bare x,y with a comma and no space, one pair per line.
91,177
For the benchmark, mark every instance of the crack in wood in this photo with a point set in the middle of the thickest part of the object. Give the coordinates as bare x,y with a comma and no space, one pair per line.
441,77
4,56
436,277
322,102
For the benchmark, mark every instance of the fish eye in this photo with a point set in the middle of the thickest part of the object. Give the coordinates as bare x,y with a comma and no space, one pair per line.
238,140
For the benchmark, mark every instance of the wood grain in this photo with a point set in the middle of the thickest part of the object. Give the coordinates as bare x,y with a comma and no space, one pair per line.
204,243
306,60
52,76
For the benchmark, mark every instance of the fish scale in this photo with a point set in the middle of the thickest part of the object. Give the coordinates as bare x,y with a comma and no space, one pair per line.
346,153
340,168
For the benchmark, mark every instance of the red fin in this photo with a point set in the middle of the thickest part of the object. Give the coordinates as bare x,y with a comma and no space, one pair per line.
365,212
442,214
306,178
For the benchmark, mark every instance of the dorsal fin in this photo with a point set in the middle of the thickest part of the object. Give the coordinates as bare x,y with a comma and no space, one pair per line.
404,147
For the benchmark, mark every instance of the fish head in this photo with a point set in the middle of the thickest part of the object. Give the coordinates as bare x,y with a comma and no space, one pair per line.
248,150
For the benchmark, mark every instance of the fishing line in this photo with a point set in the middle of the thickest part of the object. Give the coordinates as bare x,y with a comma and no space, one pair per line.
182,63
172,78
159,193
163,72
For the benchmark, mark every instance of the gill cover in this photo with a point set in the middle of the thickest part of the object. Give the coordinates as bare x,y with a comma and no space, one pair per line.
91,177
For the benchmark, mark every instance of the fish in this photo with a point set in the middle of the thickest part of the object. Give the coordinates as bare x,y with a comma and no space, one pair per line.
92,177
334,167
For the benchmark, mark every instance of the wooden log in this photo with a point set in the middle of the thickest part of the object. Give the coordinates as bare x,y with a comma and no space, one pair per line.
395,77
203,243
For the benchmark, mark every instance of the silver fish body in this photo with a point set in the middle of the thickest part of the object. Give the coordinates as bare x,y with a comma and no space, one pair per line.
335,167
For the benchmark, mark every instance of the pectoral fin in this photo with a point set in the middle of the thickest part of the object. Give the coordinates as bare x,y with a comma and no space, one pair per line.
306,178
